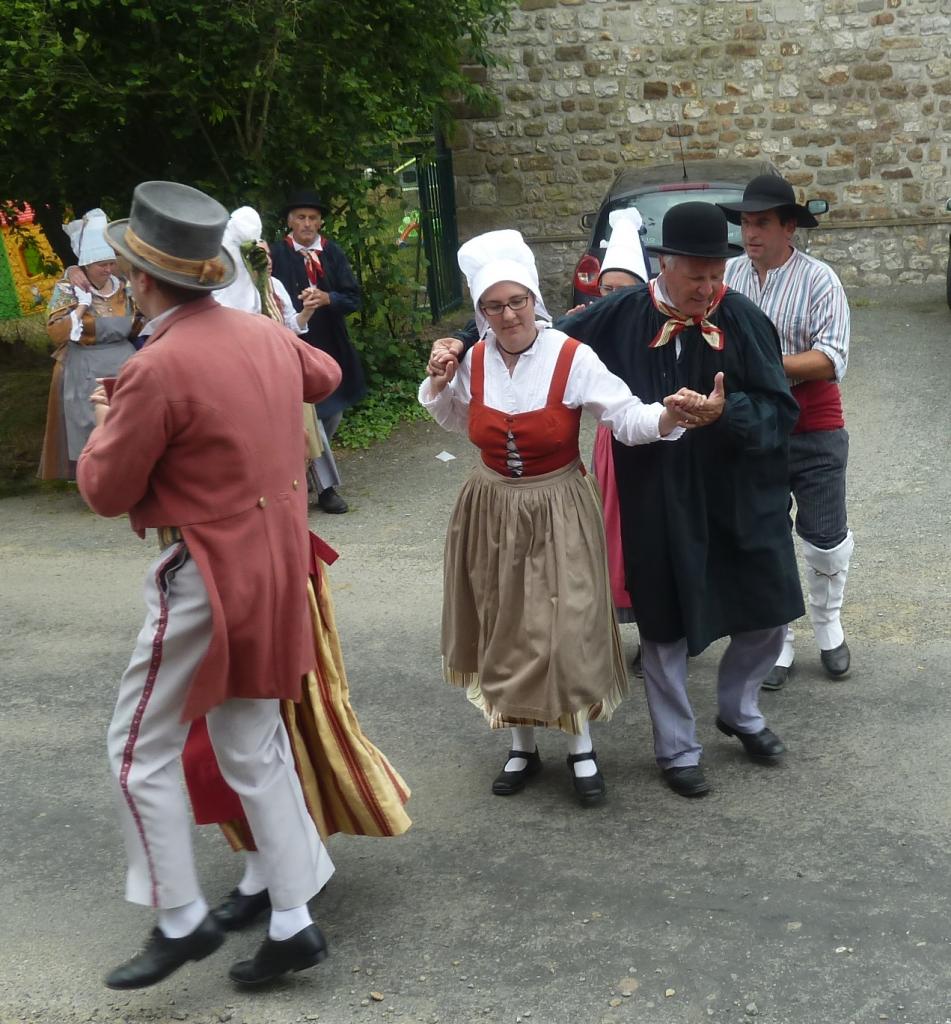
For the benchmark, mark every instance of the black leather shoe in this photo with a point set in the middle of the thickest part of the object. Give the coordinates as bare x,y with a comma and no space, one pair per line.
687,780
305,949
507,783
239,910
776,677
163,956
764,747
837,661
330,501
636,667
590,789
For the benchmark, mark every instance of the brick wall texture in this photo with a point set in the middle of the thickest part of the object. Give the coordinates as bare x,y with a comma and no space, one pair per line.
851,99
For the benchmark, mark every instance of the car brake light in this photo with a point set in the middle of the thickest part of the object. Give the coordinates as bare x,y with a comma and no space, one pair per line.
587,273
683,186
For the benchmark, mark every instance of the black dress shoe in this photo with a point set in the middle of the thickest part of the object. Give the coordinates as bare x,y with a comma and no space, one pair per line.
764,747
239,910
687,780
507,783
305,949
330,501
163,956
636,666
589,789
837,661
776,677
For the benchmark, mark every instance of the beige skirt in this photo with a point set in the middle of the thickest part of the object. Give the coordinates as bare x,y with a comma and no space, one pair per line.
528,624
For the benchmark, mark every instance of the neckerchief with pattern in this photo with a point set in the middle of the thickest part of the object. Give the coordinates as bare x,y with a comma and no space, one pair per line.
312,263
677,322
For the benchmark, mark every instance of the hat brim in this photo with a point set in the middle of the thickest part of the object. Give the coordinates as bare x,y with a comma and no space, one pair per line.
727,252
115,235
733,211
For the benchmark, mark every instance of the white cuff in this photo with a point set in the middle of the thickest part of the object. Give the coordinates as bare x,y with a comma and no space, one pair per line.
77,329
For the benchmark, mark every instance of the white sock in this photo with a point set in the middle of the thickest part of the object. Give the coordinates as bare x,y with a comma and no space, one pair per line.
581,744
788,654
177,922
285,924
523,738
254,879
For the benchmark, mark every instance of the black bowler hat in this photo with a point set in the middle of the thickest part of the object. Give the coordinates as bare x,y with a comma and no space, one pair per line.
695,229
301,199
768,192
173,233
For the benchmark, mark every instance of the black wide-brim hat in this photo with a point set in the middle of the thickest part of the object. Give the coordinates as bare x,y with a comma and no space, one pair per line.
768,192
696,229
173,233
301,199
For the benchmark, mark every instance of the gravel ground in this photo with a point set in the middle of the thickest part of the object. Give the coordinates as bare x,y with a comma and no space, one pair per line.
815,892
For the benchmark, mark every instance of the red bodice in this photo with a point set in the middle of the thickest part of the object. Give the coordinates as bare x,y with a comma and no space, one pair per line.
525,443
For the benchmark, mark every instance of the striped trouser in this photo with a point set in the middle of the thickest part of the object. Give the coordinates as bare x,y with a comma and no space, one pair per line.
145,742
817,464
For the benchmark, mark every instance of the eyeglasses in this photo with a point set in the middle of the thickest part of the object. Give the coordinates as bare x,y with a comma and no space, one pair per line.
519,302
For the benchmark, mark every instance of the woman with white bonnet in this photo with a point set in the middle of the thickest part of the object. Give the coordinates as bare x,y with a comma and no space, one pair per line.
90,325
528,627
255,290
624,263
349,785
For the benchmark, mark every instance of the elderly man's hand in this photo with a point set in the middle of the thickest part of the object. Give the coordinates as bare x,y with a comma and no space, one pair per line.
695,410
314,298
682,407
712,406
444,359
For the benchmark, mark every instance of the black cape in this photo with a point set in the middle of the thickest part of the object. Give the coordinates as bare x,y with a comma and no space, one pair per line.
327,329
705,528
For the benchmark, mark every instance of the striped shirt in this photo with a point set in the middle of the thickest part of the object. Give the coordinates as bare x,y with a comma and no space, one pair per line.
806,302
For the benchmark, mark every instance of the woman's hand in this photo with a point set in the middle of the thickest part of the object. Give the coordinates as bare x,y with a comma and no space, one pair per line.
444,358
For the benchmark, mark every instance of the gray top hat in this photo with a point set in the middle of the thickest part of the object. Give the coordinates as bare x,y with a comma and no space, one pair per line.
173,232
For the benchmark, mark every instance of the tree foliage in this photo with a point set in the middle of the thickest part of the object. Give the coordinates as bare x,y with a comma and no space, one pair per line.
245,100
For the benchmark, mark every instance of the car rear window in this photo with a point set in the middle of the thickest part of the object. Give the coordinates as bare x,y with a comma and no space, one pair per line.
653,205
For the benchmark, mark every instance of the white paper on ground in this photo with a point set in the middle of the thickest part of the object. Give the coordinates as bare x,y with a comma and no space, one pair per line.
445,457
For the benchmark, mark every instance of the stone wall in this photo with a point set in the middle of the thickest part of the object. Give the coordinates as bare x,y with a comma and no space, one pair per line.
851,99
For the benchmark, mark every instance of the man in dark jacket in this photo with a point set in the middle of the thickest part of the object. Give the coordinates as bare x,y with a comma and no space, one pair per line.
310,265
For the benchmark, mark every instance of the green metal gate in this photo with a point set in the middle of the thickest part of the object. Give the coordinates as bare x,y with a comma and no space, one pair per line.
437,214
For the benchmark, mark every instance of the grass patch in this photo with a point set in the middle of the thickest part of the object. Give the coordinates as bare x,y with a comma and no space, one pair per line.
23,395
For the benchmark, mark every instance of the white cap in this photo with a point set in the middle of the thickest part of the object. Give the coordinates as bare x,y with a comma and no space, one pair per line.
624,250
244,225
499,256
87,237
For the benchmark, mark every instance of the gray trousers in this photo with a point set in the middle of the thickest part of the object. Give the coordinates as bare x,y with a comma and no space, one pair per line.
742,669
146,737
325,465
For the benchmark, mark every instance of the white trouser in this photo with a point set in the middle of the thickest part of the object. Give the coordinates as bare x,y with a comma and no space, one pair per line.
146,737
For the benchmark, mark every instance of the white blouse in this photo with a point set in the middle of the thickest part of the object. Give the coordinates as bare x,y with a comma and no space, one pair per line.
590,385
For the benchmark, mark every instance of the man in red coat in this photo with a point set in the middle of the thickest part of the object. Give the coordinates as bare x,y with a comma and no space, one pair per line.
202,440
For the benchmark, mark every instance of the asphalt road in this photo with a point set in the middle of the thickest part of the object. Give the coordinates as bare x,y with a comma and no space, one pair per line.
813,893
